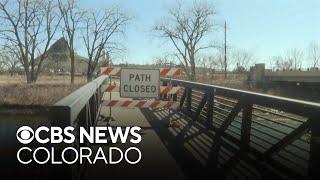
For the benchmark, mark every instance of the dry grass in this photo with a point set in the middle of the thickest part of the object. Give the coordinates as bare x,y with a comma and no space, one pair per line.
46,91
237,81
43,80
49,89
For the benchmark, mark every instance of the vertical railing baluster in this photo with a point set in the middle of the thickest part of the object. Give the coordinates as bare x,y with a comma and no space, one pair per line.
210,105
189,97
183,97
246,126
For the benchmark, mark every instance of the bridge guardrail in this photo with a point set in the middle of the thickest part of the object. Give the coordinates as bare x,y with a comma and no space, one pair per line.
273,136
80,108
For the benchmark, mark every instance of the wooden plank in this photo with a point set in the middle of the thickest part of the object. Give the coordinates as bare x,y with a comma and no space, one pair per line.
295,134
200,106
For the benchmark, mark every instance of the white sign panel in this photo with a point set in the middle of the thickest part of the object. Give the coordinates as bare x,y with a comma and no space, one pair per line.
139,83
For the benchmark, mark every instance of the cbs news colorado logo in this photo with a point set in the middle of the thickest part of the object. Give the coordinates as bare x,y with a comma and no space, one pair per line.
98,135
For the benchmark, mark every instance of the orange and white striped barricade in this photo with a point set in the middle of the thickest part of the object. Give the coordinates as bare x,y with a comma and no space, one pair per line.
163,89
170,90
153,104
110,71
172,72
114,71
112,88
164,72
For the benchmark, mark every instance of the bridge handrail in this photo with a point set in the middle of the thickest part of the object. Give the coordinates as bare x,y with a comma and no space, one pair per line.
201,102
299,107
69,107
80,108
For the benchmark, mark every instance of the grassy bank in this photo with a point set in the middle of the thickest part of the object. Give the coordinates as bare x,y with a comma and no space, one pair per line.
46,91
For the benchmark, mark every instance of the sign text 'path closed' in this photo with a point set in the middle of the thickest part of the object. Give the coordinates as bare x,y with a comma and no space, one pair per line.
139,83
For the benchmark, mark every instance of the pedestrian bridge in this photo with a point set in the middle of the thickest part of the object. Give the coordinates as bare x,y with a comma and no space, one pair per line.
216,132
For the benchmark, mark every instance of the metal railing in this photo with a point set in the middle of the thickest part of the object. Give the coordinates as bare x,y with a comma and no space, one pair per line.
252,134
80,108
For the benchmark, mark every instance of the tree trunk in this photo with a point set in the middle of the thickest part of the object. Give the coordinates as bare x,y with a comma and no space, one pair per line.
225,73
27,72
29,79
89,72
72,66
89,77
35,78
193,72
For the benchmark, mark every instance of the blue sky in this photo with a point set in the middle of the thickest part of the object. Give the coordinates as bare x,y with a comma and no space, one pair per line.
265,27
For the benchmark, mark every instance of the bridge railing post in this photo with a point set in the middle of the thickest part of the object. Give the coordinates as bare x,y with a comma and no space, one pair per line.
314,161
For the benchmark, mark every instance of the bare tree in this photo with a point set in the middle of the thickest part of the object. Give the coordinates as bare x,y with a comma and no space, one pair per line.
101,27
314,54
213,65
161,61
105,59
11,60
218,58
71,16
209,64
295,56
243,59
272,64
2,62
280,63
165,60
28,27
219,61
2,66
188,28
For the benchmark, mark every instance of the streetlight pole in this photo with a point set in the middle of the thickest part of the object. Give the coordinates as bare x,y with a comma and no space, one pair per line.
225,49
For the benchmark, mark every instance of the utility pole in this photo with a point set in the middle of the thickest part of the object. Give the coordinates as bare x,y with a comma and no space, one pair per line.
225,49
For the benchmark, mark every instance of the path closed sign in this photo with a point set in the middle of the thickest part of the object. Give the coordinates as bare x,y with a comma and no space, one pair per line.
139,83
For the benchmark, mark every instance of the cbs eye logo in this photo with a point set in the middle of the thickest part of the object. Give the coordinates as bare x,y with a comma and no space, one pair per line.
25,134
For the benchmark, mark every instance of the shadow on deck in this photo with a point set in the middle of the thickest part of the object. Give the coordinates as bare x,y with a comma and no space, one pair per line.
177,152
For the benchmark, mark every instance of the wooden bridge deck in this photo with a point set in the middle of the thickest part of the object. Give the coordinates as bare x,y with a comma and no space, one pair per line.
155,155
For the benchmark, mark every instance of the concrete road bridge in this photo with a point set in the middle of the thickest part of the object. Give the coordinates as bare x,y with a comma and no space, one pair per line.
258,73
293,76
